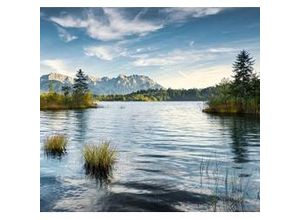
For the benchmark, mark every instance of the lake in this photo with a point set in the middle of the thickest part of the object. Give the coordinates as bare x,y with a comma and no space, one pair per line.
171,157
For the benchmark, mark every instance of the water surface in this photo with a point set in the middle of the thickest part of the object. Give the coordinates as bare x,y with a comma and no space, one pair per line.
172,157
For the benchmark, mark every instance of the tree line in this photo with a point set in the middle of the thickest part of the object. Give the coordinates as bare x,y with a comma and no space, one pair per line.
162,95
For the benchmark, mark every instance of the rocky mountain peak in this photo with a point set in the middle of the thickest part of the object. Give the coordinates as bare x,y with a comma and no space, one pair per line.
122,84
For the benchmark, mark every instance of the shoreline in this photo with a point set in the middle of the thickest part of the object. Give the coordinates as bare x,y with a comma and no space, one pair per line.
213,110
57,108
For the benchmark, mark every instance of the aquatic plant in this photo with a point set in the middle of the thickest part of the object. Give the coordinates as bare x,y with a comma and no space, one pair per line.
99,159
56,144
228,192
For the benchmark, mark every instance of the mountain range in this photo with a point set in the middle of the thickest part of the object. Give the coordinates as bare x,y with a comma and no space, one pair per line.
121,84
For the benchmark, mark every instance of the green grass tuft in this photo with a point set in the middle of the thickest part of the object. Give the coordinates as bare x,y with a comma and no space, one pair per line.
56,144
99,159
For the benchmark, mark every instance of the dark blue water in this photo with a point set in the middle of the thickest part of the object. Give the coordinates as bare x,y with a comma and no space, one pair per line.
171,157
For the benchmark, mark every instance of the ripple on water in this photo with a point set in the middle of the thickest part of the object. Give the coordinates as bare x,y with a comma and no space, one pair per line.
172,157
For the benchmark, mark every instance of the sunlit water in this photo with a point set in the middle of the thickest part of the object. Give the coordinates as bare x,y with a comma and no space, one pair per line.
171,157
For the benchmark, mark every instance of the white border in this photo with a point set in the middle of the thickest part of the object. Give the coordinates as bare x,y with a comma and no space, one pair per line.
19,118
152,215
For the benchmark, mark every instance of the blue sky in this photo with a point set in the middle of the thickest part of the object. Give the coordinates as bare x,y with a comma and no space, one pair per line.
177,47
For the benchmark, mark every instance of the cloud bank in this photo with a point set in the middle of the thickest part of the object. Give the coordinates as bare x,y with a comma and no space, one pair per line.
108,24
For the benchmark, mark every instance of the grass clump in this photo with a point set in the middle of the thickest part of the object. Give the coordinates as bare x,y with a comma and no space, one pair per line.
99,159
56,144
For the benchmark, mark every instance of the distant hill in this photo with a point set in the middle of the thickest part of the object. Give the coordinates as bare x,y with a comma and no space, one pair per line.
102,86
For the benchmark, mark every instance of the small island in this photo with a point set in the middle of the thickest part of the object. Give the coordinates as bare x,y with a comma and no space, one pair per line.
76,97
242,94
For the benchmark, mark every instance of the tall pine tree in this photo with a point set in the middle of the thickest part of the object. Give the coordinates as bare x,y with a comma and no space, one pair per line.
80,86
66,89
243,69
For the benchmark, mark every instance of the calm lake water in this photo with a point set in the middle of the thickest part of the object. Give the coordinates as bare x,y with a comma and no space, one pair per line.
171,157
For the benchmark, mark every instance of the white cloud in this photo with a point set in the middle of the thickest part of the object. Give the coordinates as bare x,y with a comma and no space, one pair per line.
172,58
152,62
181,73
105,52
54,65
102,53
65,35
222,50
116,50
143,50
113,25
181,14
138,50
69,21
178,57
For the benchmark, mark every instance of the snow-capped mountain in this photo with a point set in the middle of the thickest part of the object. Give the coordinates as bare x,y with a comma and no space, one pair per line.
119,85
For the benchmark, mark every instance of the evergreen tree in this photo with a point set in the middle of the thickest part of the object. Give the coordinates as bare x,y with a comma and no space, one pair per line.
81,83
66,89
243,69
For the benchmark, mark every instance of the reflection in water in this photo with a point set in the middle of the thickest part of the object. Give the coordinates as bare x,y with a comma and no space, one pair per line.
241,137
81,117
172,157
242,130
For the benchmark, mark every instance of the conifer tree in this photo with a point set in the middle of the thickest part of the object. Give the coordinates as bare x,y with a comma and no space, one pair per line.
243,69
66,89
80,83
